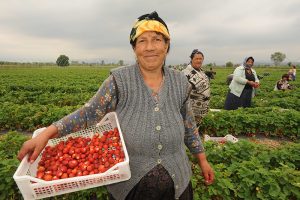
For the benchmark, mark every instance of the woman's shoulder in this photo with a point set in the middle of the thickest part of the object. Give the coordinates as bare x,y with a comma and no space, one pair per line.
241,67
122,69
174,72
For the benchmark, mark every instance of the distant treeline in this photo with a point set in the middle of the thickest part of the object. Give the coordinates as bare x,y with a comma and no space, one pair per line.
27,63
37,64
179,66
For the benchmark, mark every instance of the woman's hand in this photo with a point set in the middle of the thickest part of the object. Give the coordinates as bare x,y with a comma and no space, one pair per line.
256,85
253,84
207,171
34,146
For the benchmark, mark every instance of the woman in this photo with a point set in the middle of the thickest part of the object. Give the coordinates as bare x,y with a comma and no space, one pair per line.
292,72
152,103
200,94
242,86
283,83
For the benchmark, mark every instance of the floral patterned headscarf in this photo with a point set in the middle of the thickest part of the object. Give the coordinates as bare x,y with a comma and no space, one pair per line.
148,22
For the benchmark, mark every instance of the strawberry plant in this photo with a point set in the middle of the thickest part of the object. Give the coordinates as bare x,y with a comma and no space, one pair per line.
246,170
10,144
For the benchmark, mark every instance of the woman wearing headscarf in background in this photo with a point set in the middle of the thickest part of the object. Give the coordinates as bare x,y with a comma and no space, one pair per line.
200,94
242,86
153,108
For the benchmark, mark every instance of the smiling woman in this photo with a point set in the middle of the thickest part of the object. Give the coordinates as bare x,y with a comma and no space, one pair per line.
153,107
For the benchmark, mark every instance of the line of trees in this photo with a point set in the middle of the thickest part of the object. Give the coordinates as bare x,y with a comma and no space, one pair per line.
277,58
63,60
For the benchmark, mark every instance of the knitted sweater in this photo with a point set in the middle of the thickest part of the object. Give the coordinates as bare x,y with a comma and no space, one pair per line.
153,133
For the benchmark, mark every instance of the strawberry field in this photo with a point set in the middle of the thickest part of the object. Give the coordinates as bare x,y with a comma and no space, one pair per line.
34,97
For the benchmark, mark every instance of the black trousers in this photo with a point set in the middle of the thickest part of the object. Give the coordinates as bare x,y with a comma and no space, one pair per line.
233,102
157,185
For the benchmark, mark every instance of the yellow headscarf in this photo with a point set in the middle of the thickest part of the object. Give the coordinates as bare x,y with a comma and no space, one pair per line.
148,22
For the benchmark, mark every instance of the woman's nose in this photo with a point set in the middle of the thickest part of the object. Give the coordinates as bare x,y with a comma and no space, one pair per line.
150,45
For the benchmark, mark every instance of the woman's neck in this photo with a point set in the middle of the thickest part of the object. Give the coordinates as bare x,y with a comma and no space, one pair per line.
153,79
196,68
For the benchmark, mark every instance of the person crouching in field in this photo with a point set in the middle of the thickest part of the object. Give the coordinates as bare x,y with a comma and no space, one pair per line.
200,94
292,73
242,86
283,83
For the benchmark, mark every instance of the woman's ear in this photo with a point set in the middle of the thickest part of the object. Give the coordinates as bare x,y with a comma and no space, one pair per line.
167,46
133,48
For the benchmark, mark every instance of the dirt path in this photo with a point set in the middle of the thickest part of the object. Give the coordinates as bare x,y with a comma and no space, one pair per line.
269,141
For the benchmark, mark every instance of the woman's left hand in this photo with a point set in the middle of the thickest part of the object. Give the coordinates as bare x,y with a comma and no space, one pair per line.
207,172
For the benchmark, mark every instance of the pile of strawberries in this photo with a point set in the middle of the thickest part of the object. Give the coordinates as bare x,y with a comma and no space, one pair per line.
80,156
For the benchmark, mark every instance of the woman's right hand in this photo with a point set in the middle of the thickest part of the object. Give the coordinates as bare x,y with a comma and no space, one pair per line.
34,146
251,83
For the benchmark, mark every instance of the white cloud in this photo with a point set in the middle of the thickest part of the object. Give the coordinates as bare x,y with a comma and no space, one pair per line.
229,30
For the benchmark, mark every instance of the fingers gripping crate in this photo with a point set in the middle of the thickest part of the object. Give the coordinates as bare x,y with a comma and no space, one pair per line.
35,188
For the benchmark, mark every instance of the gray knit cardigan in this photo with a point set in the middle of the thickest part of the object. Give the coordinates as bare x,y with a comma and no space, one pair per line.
153,133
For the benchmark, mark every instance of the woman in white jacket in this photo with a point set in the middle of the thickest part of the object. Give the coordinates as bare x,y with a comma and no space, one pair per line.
242,86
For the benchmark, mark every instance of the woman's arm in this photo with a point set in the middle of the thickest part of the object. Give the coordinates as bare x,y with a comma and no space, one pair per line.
239,75
103,102
193,141
255,76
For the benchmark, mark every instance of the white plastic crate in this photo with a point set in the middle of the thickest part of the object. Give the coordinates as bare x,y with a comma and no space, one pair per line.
229,138
34,188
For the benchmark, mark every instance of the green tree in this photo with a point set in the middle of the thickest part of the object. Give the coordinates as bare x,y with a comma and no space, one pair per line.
278,58
211,65
229,64
63,61
121,62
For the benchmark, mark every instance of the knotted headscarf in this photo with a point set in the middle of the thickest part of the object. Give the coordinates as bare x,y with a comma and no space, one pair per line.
148,22
245,62
196,51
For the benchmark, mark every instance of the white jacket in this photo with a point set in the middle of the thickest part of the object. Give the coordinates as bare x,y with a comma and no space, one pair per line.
239,81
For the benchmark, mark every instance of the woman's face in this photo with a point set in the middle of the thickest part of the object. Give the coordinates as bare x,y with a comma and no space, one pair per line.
197,61
151,50
249,62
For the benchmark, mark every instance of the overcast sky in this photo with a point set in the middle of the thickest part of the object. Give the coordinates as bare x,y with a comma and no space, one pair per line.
95,30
